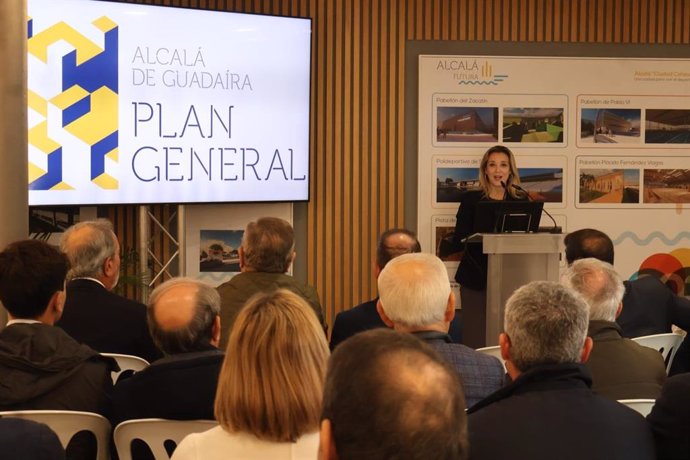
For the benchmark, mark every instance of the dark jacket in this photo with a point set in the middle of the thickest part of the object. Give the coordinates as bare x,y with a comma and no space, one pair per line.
473,265
622,368
178,387
106,321
234,294
550,412
357,319
481,374
670,419
650,307
41,367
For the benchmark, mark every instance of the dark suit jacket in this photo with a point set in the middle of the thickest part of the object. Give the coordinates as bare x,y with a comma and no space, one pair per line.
550,412
178,387
28,439
670,419
622,368
480,373
650,307
105,321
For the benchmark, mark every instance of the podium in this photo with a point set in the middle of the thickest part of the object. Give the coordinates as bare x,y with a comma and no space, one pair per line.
515,259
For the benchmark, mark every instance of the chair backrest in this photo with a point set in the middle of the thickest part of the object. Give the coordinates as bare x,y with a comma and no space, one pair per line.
126,363
156,433
667,344
66,424
643,406
494,351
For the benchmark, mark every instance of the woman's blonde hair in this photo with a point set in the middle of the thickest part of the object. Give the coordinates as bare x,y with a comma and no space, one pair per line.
271,382
514,177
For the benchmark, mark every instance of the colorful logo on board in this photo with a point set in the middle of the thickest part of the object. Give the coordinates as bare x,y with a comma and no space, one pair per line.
470,71
75,105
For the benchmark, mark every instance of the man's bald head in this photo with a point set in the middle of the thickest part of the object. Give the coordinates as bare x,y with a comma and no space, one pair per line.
393,243
599,284
182,315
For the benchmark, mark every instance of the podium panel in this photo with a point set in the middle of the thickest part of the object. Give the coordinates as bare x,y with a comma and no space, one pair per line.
515,260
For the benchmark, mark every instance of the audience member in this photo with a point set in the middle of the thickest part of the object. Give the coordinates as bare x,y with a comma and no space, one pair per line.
549,411
28,439
388,396
266,253
270,386
416,298
670,419
621,368
93,314
184,319
41,367
649,306
364,316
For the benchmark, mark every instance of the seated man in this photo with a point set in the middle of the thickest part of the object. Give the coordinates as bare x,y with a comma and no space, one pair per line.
388,395
649,306
392,243
94,315
266,253
670,419
41,367
416,298
184,318
621,368
549,411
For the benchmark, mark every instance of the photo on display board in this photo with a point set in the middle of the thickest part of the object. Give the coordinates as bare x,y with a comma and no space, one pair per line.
445,249
467,124
664,126
610,126
45,220
542,184
522,124
219,250
666,186
609,186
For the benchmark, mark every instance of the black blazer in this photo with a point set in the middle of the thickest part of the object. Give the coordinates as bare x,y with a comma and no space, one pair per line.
105,321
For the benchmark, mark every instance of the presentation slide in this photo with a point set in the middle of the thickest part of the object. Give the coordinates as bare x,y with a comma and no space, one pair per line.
143,104
603,142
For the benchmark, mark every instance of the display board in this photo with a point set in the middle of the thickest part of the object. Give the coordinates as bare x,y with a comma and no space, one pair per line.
148,104
604,142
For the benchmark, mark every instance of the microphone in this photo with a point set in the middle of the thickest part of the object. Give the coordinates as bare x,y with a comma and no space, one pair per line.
556,228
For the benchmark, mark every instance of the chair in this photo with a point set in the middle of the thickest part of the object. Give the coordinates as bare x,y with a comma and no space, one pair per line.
126,363
494,351
66,424
642,406
157,433
667,344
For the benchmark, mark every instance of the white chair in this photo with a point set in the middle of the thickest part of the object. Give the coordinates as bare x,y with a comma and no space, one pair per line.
126,363
67,423
667,344
642,406
494,351
155,432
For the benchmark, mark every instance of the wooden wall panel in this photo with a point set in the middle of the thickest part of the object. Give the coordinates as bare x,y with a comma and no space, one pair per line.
357,119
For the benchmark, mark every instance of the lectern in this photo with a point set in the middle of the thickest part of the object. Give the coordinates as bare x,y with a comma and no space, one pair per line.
515,259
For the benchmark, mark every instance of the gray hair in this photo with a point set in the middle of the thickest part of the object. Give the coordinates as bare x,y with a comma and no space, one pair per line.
546,324
414,289
198,331
599,284
88,250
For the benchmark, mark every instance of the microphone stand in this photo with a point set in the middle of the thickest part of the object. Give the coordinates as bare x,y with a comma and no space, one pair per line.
556,228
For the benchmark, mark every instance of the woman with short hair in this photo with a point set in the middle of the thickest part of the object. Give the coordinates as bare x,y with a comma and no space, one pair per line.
268,401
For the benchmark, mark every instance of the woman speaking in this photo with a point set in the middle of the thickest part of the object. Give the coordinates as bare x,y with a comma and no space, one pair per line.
497,174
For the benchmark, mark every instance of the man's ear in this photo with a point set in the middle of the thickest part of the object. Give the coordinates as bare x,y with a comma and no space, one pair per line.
242,259
215,332
326,442
291,259
386,320
586,350
56,305
619,310
109,267
450,308
504,344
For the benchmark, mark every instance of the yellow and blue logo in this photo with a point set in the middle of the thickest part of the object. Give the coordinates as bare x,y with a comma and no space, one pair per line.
86,103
